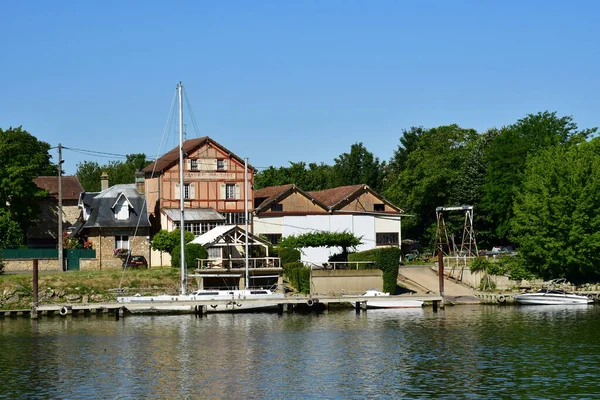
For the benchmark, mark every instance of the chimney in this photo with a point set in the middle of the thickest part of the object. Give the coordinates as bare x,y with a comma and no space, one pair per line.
104,181
140,184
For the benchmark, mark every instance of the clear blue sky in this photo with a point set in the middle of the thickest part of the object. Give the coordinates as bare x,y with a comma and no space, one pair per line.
290,81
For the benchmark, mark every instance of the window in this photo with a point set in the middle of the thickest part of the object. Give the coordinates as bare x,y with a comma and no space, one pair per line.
236,218
189,191
122,211
122,242
186,190
221,165
194,165
274,238
214,252
277,207
386,238
230,191
198,227
379,207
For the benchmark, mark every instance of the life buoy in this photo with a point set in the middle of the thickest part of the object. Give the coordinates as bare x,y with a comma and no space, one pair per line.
501,298
64,310
310,302
590,296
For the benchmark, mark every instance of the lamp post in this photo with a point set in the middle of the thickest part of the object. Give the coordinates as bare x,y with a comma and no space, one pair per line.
60,211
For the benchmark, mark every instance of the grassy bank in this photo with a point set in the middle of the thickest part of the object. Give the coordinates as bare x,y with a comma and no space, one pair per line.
16,291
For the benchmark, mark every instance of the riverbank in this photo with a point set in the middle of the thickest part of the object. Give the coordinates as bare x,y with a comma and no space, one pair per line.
16,290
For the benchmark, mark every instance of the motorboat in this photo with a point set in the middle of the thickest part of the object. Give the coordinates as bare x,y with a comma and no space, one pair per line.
552,295
376,299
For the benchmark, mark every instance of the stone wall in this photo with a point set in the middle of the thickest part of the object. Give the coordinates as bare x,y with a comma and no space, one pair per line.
20,265
347,281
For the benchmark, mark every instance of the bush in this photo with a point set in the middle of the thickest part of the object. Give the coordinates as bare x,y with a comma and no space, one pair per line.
193,251
480,264
298,275
386,259
1,267
288,255
515,268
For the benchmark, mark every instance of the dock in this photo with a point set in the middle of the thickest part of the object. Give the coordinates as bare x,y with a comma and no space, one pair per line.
202,307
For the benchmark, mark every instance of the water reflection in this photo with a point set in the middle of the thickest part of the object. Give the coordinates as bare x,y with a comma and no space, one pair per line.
467,351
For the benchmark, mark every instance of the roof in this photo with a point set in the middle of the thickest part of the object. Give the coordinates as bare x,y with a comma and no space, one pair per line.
171,158
332,197
274,194
194,214
71,188
216,234
102,212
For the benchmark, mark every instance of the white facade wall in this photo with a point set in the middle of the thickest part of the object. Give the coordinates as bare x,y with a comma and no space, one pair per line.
365,226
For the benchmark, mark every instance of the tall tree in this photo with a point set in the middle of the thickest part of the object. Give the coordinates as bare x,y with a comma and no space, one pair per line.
506,159
119,172
315,177
428,171
556,219
24,157
358,166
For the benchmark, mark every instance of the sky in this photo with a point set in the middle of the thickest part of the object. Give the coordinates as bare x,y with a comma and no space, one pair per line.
282,82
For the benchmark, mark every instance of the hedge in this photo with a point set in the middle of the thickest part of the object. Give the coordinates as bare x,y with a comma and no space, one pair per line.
386,259
288,255
298,275
193,251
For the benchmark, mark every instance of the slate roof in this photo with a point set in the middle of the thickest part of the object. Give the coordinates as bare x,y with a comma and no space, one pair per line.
103,216
71,188
171,158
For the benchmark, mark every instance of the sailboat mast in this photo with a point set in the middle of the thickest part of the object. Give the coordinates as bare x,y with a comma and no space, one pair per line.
246,214
181,191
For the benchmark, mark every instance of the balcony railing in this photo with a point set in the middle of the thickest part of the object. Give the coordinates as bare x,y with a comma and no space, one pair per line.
234,263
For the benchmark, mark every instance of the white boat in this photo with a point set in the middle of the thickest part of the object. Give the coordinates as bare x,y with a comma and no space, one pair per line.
552,296
225,300
376,299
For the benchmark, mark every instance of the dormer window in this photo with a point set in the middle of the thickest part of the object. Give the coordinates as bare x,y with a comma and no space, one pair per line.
121,208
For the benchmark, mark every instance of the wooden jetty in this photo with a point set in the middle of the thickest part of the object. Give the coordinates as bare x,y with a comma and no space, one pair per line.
202,307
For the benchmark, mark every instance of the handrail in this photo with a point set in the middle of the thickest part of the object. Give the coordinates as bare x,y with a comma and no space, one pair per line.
257,262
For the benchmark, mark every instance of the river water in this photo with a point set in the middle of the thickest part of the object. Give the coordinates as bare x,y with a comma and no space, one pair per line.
479,352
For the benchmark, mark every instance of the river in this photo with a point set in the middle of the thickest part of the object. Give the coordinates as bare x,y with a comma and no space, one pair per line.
477,352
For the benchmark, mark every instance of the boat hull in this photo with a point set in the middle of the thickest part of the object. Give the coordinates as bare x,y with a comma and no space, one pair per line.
548,299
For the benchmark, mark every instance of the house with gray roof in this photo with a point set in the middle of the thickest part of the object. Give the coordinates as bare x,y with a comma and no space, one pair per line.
116,221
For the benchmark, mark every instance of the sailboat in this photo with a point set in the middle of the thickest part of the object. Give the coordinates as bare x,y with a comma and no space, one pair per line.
224,300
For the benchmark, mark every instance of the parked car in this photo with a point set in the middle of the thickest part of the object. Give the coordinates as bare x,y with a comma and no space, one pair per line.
135,262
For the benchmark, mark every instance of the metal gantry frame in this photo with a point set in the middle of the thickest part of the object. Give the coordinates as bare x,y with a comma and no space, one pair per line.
468,245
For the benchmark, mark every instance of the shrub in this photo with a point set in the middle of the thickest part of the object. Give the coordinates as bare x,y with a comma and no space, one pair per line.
480,264
1,267
288,255
298,275
386,259
193,251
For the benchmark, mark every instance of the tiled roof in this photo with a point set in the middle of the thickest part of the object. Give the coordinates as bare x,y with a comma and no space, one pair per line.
172,157
331,197
71,188
270,193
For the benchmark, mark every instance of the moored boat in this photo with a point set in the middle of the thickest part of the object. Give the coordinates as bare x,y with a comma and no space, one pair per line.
375,299
552,295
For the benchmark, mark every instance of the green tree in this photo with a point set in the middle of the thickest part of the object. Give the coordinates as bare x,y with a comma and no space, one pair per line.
344,240
10,232
311,177
506,158
24,158
119,172
193,252
359,166
431,168
556,220
167,241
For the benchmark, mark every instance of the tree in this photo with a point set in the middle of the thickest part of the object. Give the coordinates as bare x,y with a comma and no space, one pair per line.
167,241
10,232
193,252
431,167
556,219
345,240
506,158
89,172
359,166
24,158
315,177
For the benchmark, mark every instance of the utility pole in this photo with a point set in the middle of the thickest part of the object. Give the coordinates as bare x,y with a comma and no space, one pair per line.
60,211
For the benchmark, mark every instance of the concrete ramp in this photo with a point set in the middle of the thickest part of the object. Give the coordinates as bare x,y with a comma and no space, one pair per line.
423,280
